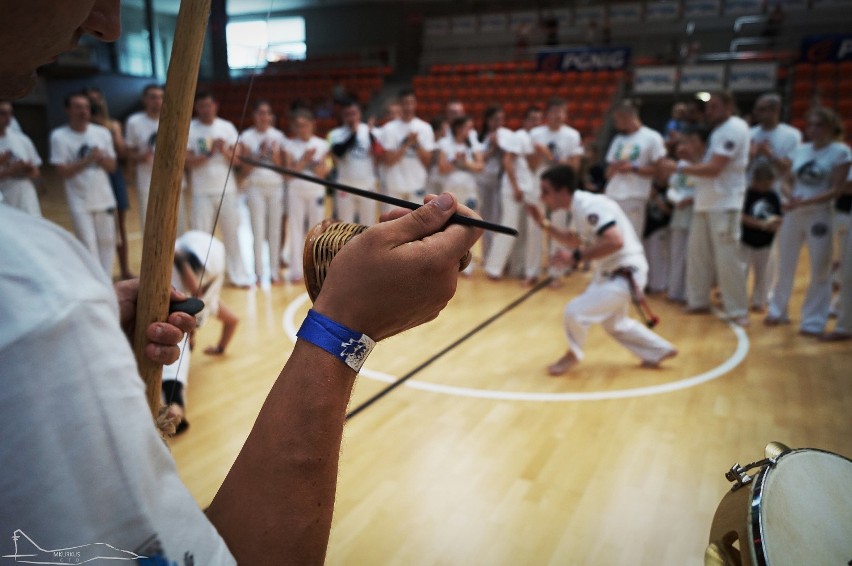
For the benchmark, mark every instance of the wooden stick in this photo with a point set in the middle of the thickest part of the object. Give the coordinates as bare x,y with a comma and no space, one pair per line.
169,158
454,219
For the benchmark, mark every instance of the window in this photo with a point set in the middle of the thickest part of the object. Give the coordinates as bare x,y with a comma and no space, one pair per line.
254,43
134,47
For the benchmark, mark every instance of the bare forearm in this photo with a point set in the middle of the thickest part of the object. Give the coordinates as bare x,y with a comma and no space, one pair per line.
276,505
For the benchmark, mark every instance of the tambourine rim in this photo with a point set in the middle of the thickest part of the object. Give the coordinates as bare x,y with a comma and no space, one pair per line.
757,523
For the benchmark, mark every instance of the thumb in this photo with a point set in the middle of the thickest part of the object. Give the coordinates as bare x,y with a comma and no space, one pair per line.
426,220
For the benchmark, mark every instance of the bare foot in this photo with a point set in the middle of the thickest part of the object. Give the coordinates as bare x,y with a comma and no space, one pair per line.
775,321
653,365
530,282
556,283
697,310
810,333
741,321
563,365
214,350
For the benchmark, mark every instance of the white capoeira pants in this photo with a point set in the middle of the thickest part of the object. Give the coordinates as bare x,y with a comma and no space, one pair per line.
635,209
657,253
305,209
501,244
757,261
715,257
809,225
606,302
678,239
488,189
351,207
96,229
844,312
842,224
266,208
203,218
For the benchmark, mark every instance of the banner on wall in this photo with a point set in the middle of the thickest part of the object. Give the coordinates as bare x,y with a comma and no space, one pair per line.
698,78
662,10
489,23
655,80
750,77
630,12
591,59
463,25
822,48
739,7
701,8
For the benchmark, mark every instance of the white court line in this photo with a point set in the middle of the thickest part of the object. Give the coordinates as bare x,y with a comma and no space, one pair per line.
718,371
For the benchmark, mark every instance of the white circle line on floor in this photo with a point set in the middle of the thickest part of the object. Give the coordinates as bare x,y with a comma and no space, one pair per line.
733,361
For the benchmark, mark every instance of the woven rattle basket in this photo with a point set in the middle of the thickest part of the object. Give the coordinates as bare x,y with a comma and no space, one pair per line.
321,245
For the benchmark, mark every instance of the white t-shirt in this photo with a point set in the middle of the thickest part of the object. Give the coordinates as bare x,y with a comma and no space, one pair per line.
783,139
459,181
592,214
297,148
82,461
209,177
727,192
260,146
356,167
494,163
142,136
813,168
643,147
563,143
20,148
520,145
407,175
90,189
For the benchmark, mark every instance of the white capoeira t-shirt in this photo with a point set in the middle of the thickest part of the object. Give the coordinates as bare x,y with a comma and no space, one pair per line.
209,177
260,147
727,190
297,148
460,181
356,166
643,147
592,214
408,175
20,191
82,461
812,168
142,137
90,189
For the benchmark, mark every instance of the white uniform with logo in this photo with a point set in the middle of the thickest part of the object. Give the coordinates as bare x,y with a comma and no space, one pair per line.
213,183
355,168
606,301
812,170
563,143
783,140
90,197
406,178
265,196
19,192
82,463
714,237
305,201
519,145
630,190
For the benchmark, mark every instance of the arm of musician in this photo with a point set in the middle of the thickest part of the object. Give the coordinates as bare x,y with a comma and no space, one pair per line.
276,504
163,337
509,171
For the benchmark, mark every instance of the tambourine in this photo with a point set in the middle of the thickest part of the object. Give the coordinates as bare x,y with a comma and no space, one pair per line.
796,510
323,242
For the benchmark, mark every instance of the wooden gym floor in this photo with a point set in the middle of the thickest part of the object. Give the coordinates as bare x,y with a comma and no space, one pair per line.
481,458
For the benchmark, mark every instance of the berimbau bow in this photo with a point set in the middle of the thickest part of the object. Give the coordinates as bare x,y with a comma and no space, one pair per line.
161,222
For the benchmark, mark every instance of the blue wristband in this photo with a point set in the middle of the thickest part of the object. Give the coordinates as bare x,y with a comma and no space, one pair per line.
348,346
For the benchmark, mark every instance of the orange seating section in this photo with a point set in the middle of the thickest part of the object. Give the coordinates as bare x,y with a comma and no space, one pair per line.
824,84
516,86
313,87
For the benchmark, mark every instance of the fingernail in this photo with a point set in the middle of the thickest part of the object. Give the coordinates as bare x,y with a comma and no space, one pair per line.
444,201
158,331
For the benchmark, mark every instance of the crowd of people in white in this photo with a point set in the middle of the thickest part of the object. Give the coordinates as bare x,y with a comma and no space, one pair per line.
712,198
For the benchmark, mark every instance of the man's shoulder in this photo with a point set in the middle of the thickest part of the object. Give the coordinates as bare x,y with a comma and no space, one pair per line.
651,133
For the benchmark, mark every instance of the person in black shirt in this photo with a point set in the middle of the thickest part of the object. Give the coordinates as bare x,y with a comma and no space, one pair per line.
761,219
